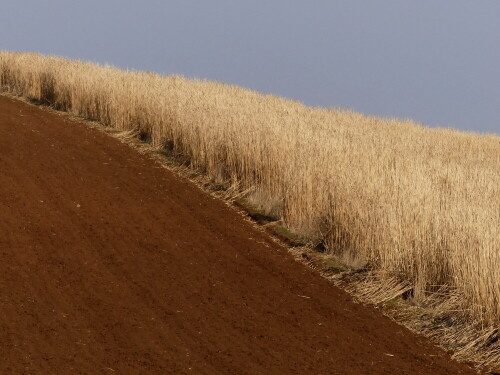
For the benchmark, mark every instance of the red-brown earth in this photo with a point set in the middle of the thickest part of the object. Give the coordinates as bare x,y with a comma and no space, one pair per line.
109,263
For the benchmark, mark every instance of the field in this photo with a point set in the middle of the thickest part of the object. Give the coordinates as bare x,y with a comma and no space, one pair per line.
412,203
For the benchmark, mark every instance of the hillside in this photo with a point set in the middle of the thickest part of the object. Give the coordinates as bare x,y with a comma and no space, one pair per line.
410,203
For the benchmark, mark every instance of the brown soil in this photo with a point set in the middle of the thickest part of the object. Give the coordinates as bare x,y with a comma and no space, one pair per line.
109,263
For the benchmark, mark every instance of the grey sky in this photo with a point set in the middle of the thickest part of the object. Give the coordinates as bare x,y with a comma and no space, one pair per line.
435,61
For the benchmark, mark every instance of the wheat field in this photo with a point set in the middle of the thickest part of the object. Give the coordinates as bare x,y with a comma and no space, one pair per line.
415,203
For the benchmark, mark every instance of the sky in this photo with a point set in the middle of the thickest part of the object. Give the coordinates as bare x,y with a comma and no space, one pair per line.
434,61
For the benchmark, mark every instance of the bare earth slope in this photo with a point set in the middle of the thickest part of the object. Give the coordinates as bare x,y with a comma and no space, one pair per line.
111,264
